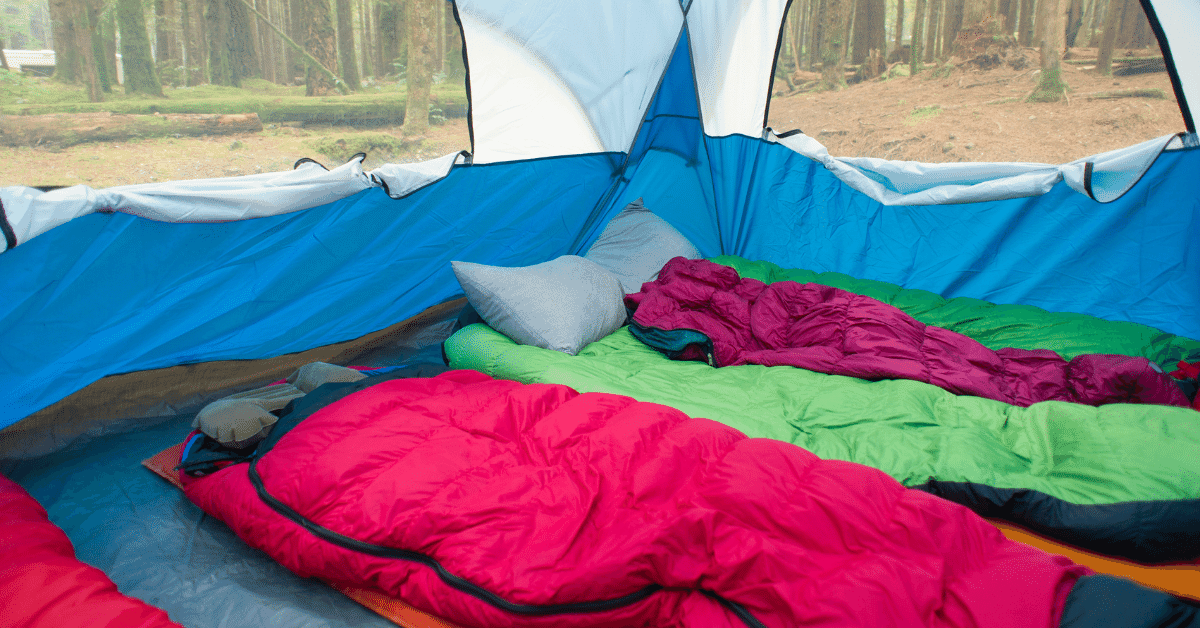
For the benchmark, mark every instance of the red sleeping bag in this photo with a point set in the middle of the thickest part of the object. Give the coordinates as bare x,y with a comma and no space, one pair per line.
42,584
493,503
828,330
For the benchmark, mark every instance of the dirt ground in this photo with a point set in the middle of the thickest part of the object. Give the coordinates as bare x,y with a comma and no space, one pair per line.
977,115
969,115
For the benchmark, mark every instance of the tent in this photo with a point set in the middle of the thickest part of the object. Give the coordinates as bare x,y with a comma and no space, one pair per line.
127,306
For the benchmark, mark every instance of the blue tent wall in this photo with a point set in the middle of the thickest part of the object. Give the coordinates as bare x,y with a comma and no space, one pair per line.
109,294
1134,259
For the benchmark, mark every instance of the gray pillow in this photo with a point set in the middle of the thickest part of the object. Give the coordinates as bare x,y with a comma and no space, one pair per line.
636,244
564,304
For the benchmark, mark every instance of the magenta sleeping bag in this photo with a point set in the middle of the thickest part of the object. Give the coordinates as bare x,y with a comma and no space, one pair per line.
828,330
493,503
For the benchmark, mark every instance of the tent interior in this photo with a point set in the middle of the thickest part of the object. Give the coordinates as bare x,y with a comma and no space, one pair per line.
135,307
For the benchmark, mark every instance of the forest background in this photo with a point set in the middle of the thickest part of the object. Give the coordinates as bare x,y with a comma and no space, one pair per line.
224,87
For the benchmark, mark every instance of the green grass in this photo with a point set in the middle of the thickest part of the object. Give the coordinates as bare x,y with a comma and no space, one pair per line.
923,113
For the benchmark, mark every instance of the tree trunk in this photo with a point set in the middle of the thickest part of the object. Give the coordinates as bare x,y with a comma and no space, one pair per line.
870,17
1051,86
345,42
195,59
974,12
243,41
393,37
221,69
833,59
917,50
1087,30
1039,23
816,18
1112,23
140,77
899,26
320,40
933,34
108,40
70,129
3,59
165,23
1074,21
952,22
266,42
66,50
366,11
422,47
1006,10
96,33
1025,25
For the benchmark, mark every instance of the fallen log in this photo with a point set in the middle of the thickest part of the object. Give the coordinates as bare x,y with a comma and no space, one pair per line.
64,130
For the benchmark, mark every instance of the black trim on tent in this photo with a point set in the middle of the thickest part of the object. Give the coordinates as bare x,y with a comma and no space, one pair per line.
775,61
466,79
786,133
1156,26
304,160
1144,531
10,236
304,407
1087,179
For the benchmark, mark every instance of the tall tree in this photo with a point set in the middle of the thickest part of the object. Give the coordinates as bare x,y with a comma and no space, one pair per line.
191,19
933,33
87,55
140,76
816,39
952,21
393,35
96,32
366,11
66,50
899,26
1025,23
796,28
833,56
1112,23
222,69
295,30
345,39
422,50
1051,87
320,40
916,53
166,22
1074,21
870,18
266,41
108,37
